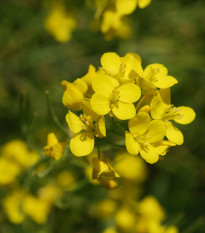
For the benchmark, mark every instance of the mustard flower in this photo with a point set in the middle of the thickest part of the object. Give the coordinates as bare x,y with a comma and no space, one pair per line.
85,129
161,109
104,172
111,97
130,167
37,209
125,219
17,152
8,171
60,24
144,137
157,76
54,148
11,206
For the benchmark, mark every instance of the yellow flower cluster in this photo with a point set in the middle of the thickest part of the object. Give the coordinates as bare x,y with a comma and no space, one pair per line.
145,216
15,158
134,98
113,13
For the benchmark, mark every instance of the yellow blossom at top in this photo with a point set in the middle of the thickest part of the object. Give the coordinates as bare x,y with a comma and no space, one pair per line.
54,148
112,97
60,24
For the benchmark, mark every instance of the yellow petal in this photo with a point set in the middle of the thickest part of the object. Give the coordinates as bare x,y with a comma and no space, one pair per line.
158,108
90,75
154,71
125,7
74,122
135,61
72,96
187,115
162,147
131,145
100,104
111,62
165,81
100,127
140,123
129,93
174,134
51,139
156,131
81,85
104,84
82,144
149,153
124,111
143,3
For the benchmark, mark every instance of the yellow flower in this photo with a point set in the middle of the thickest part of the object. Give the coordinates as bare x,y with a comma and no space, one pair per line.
131,167
54,148
85,128
60,25
111,97
17,152
65,180
8,171
38,209
12,207
150,209
125,219
104,209
163,110
110,230
73,95
157,76
144,135
143,3
104,172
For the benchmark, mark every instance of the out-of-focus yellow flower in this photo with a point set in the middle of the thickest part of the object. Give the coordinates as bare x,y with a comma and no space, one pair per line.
149,208
49,193
54,148
110,230
65,180
143,3
163,110
104,172
131,167
104,209
8,171
85,128
12,207
156,227
60,24
36,208
125,219
17,152
145,137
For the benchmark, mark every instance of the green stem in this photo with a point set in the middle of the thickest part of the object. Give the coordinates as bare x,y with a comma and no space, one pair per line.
54,118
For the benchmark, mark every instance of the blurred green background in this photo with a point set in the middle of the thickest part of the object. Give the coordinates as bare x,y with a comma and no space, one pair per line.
169,32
